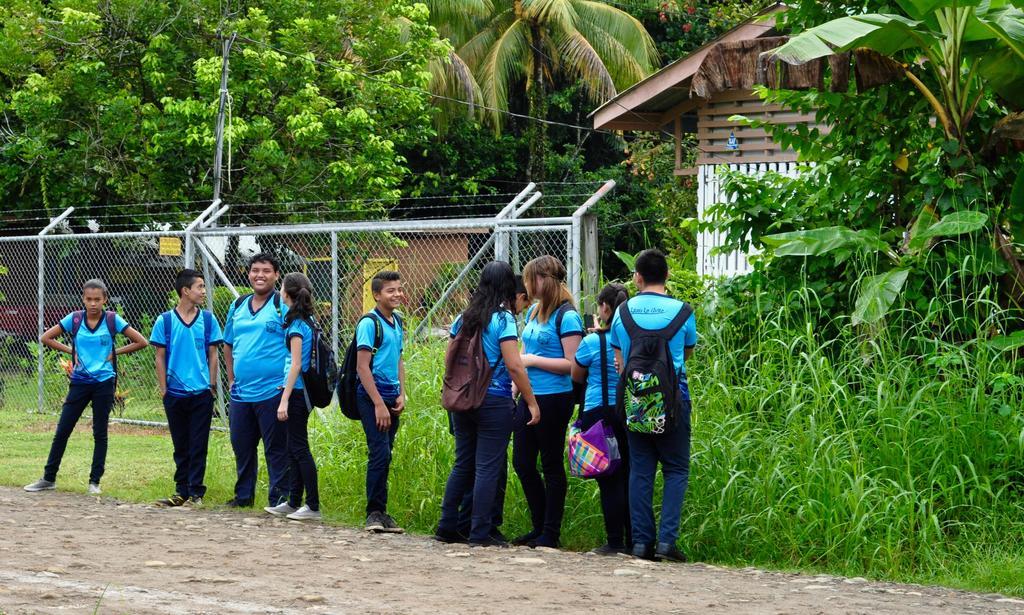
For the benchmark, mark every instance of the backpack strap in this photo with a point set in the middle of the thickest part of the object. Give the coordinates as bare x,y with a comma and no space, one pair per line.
277,306
166,318
111,319
601,335
241,300
559,315
77,318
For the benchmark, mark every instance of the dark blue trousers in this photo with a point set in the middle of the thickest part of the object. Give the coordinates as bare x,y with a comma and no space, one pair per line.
188,419
466,506
481,454
379,445
101,394
249,422
646,451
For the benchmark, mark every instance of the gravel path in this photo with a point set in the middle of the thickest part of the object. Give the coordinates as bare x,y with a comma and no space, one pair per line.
68,553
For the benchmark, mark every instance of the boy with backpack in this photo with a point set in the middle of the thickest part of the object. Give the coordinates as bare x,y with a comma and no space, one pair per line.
653,335
186,341
92,343
254,358
380,393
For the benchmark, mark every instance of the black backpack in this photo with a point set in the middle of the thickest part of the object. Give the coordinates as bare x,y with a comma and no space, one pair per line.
348,378
320,379
648,396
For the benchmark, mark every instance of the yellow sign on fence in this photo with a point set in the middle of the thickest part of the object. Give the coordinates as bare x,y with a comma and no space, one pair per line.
170,246
371,267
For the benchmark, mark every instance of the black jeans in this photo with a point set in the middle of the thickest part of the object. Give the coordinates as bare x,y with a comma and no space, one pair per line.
101,394
614,487
188,419
545,497
303,467
466,506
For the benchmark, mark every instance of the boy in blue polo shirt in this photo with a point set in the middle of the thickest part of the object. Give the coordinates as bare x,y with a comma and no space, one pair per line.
254,357
186,341
652,310
380,394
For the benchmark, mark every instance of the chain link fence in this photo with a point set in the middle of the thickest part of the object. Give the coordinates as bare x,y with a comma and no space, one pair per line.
439,260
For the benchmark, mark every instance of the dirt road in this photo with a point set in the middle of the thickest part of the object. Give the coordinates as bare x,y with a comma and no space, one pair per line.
67,553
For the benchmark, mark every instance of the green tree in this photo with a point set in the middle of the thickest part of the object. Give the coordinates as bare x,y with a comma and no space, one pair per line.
528,43
109,103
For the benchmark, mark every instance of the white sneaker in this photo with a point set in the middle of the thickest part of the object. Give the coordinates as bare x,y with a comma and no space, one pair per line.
42,485
305,514
94,489
280,510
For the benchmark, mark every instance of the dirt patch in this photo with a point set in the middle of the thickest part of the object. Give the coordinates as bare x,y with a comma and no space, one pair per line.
63,552
85,426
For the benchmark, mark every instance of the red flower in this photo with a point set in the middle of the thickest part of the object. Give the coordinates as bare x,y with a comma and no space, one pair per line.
691,9
687,27
662,17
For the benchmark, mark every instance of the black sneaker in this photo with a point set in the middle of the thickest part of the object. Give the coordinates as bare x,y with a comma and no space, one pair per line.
607,549
489,542
526,538
497,535
238,503
171,502
449,537
391,526
670,552
375,522
544,541
644,552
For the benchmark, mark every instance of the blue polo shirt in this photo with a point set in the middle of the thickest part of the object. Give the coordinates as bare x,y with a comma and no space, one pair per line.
501,328
257,346
188,366
655,311
588,356
298,328
385,362
543,340
92,348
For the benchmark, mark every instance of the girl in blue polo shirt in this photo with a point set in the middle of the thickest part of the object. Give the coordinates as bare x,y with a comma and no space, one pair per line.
599,405
482,434
91,333
294,407
553,331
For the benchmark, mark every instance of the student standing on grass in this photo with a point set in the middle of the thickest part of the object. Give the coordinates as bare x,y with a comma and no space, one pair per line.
653,311
380,394
482,434
186,341
294,407
599,404
254,357
466,507
553,331
92,334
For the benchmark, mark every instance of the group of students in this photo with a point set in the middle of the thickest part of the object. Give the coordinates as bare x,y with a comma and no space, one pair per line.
530,398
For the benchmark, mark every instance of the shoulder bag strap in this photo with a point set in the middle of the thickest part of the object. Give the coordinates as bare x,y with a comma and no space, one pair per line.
604,367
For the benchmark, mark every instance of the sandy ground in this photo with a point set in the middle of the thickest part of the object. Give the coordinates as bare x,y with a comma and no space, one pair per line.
69,553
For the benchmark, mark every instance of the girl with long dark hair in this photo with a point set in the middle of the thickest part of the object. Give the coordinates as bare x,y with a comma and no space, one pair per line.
294,407
482,434
553,331
599,405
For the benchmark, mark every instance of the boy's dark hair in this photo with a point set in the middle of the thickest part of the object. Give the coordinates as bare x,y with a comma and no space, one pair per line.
264,257
652,266
377,284
186,278
520,285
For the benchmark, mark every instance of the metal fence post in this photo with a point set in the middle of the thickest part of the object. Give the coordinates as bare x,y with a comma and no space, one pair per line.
501,245
41,296
335,309
576,236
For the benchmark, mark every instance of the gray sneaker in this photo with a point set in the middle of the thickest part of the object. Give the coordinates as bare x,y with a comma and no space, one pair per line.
281,510
305,514
42,485
375,522
390,526
94,489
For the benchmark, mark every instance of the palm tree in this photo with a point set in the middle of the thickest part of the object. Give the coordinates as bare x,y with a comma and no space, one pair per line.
451,78
530,42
